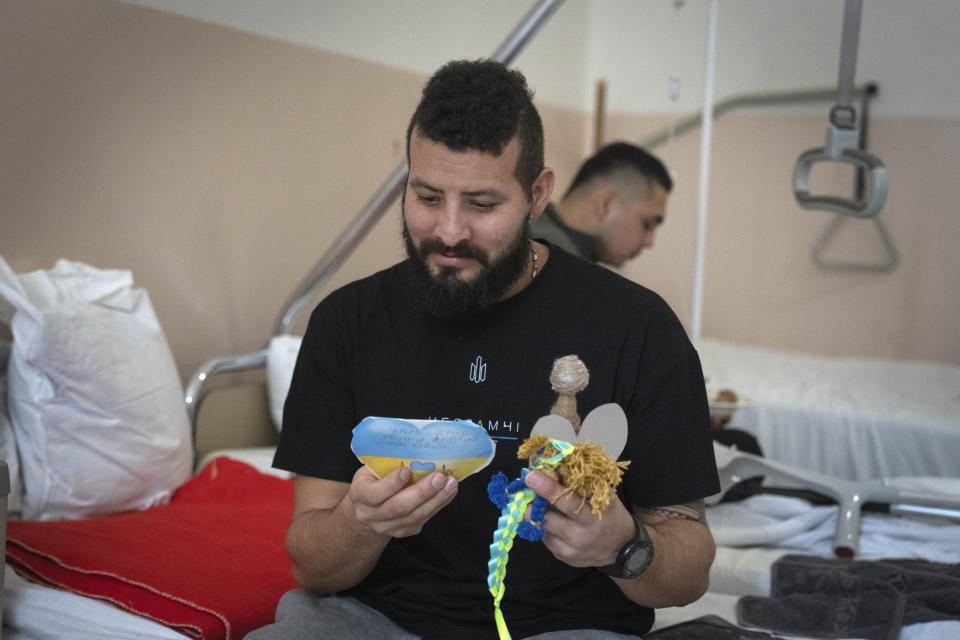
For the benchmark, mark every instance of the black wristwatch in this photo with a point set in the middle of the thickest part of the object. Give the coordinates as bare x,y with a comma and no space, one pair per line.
635,556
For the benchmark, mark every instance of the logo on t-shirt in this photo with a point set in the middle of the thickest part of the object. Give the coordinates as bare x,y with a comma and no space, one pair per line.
478,370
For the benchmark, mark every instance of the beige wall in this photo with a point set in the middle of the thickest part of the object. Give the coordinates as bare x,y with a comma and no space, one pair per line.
218,166
215,165
761,285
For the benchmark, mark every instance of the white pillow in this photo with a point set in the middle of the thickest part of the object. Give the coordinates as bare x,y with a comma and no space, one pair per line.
8,442
281,358
94,395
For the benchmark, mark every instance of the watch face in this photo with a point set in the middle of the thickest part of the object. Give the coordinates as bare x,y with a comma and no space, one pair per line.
635,556
636,562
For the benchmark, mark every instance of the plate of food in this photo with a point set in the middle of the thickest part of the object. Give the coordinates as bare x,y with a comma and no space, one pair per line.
723,402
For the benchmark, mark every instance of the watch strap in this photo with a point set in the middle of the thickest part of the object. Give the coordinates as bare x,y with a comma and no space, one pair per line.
639,543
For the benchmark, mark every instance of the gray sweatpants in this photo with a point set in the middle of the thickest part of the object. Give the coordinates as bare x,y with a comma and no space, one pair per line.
304,616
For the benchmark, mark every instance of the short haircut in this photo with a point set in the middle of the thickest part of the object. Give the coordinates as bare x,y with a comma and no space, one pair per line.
481,105
617,157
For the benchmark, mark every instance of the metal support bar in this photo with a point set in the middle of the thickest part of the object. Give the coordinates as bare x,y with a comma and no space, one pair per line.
342,248
848,52
703,190
514,43
211,368
774,98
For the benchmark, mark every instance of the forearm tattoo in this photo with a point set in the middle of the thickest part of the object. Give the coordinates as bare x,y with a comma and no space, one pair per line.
692,511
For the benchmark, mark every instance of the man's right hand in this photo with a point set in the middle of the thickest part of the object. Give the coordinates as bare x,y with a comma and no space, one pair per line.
339,530
390,506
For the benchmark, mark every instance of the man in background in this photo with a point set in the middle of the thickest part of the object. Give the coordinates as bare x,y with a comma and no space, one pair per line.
613,207
610,214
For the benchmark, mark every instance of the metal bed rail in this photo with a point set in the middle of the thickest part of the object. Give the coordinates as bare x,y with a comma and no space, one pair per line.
341,249
197,386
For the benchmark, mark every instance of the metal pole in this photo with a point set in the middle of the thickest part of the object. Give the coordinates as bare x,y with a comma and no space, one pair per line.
514,43
342,248
387,194
772,98
848,52
706,132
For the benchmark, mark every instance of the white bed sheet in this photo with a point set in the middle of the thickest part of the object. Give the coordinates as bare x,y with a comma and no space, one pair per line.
853,418
260,458
33,612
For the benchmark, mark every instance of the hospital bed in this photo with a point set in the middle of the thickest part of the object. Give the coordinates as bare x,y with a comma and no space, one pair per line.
851,418
207,541
795,408
895,420
783,396
752,535
211,563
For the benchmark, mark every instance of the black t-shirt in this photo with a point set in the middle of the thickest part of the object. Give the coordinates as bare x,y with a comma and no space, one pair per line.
370,350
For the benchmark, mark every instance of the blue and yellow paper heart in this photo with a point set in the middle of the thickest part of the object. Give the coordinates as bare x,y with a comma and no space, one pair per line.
453,447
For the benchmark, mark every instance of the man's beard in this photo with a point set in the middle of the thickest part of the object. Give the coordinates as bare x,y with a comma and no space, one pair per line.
445,296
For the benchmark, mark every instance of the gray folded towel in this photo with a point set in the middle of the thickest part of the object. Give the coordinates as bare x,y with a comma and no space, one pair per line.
837,598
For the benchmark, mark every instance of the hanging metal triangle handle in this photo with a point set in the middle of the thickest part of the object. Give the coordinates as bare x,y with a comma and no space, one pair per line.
819,251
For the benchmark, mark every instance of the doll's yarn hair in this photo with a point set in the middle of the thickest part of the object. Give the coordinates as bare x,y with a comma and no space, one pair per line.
587,472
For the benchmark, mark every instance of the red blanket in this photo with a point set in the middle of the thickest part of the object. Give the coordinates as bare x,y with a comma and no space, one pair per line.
210,564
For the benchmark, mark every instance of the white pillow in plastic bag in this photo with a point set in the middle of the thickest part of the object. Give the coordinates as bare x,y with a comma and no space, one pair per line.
94,396
281,358
8,442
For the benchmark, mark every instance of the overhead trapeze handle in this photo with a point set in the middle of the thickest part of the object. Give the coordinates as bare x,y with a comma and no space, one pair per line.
842,143
841,147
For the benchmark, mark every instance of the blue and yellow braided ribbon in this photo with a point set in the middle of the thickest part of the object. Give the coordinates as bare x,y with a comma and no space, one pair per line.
510,518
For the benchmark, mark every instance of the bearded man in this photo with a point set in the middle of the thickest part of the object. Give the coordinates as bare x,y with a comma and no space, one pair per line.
468,327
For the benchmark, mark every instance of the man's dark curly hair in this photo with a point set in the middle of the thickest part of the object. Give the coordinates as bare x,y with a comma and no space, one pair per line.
481,105
617,156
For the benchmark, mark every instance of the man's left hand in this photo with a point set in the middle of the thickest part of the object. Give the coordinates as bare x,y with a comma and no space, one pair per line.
571,530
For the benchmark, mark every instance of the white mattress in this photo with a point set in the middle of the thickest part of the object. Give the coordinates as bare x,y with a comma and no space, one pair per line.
853,418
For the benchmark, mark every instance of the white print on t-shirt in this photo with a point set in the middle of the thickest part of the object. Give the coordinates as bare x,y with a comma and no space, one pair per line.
497,429
478,370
